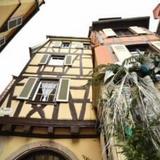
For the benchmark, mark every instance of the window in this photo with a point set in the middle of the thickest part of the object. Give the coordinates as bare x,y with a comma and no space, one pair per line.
56,60
125,51
86,46
123,32
14,22
2,41
110,33
46,91
78,45
140,49
65,45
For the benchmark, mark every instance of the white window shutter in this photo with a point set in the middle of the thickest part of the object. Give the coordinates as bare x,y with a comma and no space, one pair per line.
28,87
137,30
63,90
121,52
156,44
109,32
44,59
68,60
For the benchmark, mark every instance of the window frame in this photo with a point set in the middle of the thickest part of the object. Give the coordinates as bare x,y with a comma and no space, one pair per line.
15,19
63,45
55,56
88,46
124,35
38,87
142,45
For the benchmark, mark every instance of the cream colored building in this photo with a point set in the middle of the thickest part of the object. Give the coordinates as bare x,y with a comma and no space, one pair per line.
46,112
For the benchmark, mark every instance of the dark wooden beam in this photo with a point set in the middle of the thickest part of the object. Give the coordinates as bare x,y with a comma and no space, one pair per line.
50,130
75,130
62,136
27,129
6,128
73,127
46,123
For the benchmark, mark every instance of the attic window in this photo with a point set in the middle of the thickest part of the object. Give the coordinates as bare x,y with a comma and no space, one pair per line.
86,46
14,22
65,45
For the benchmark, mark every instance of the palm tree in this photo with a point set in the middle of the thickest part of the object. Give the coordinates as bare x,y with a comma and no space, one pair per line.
129,100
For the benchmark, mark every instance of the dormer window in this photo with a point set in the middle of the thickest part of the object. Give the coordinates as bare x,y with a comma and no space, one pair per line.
14,22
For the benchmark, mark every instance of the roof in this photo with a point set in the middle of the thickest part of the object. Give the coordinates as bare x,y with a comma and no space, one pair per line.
68,38
118,22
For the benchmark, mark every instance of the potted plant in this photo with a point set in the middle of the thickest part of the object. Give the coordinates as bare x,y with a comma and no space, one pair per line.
129,105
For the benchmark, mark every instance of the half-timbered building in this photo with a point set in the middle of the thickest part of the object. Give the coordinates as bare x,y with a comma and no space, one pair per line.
46,112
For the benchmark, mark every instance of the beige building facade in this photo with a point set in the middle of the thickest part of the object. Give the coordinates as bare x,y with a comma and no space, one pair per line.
47,110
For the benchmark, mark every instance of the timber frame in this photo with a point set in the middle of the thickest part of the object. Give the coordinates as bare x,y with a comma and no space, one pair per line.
76,127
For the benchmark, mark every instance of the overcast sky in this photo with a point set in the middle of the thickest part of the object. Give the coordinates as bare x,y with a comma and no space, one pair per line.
65,18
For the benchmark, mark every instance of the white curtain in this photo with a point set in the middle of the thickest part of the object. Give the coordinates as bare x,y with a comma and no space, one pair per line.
56,62
47,88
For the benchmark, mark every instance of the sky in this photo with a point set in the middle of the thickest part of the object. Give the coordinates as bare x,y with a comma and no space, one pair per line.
65,18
